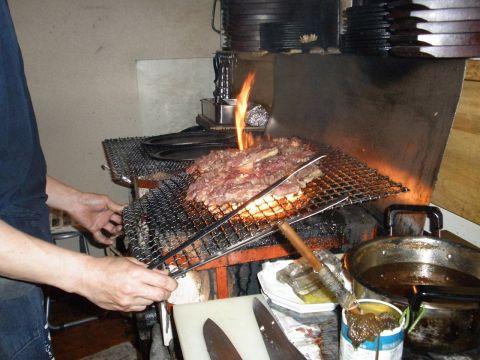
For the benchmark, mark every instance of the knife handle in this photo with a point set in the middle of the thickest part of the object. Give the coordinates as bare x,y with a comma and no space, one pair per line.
300,245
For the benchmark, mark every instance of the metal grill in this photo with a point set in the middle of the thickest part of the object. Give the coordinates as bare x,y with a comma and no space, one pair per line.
127,158
162,220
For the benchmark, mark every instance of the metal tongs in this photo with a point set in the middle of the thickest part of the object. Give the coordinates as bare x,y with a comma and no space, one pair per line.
231,214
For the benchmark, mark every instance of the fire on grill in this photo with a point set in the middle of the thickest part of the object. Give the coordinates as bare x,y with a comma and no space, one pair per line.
204,213
234,176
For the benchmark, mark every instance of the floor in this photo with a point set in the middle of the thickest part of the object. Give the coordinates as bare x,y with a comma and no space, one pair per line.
110,329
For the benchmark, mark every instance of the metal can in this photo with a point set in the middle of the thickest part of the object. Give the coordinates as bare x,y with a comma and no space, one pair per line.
390,344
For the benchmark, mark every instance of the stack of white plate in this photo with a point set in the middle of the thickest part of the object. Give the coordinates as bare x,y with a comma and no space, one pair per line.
282,294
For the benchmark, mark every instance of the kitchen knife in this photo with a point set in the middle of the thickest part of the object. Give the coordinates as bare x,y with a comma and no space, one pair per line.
218,344
277,344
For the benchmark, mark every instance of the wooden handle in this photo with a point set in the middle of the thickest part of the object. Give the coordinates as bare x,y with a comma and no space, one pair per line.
300,245
303,249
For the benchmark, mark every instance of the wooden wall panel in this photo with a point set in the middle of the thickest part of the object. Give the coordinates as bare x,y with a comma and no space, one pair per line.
473,70
458,186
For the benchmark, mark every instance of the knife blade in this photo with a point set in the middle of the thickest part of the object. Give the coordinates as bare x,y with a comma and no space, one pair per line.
218,344
277,344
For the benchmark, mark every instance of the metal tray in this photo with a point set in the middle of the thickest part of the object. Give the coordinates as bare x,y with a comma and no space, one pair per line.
462,14
437,39
437,51
128,159
246,12
363,37
184,153
168,141
359,11
433,4
365,43
223,113
255,18
436,27
254,2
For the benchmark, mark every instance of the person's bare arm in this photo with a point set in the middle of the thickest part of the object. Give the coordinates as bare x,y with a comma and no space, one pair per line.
112,283
96,213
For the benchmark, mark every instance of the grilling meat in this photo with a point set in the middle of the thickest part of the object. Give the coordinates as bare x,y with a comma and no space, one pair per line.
234,176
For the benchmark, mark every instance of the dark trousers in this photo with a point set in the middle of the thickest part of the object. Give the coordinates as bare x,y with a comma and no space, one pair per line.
23,327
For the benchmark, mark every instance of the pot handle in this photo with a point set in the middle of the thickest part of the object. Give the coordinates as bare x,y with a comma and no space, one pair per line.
434,215
420,293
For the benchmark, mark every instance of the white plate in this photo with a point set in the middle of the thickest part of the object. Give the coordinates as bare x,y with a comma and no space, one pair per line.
282,294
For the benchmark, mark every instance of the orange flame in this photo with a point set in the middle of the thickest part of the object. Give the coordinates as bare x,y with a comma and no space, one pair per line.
244,140
267,206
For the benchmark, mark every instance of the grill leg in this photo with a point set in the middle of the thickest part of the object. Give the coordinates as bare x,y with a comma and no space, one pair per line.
222,282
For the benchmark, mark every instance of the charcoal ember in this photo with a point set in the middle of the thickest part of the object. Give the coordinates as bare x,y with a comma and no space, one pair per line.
258,116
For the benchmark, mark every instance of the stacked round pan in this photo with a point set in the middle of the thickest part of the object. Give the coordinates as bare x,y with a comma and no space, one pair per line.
414,28
367,30
242,20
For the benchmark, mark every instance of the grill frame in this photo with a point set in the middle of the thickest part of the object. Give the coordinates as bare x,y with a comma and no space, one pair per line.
162,219
127,158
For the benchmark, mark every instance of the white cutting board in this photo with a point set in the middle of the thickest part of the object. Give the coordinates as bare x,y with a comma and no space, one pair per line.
235,317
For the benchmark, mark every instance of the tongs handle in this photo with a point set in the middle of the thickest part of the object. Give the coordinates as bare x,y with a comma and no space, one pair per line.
433,213
421,293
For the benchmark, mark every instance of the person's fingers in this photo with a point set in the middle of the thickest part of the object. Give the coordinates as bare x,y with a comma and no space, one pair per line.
110,228
102,239
118,230
162,271
152,293
115,207
135,309
115,218
135,261
159,280
141,301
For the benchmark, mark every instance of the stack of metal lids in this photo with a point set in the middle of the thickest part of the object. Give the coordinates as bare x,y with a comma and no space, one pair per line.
242,20
367,30
414,28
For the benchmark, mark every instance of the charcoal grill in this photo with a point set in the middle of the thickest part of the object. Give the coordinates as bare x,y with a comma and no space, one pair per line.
128,160
162,220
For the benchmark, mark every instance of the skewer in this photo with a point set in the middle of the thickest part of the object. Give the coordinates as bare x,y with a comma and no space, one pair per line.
345,298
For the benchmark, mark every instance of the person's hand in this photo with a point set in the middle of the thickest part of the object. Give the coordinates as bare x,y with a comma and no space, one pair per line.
124,284
98,214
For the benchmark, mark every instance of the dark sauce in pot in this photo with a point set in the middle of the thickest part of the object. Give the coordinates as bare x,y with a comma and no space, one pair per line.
398,278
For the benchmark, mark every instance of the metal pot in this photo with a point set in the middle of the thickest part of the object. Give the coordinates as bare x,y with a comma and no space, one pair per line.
389,268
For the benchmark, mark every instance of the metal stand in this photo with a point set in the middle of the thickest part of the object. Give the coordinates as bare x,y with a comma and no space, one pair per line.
83,244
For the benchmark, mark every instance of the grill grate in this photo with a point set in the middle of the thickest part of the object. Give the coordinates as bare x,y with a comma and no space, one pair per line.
162,220
126,157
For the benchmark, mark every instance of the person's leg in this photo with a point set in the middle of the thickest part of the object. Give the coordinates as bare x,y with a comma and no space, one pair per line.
23,333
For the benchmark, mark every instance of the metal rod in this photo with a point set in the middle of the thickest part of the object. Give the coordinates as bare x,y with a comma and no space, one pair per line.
123,177
231,214
265,233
